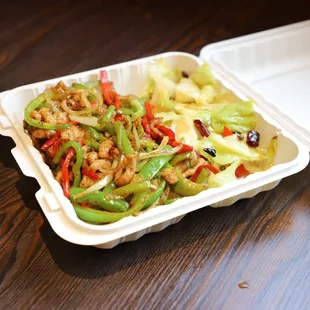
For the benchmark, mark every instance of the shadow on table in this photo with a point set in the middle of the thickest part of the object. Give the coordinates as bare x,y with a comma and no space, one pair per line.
26,186
201,227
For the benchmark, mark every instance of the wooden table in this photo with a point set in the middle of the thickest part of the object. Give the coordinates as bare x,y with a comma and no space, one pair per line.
196,264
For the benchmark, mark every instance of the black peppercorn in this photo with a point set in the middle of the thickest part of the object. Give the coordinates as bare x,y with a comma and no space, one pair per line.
210,151
185,74
252,138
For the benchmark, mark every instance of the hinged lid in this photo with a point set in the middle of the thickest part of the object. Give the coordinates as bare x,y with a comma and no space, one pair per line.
276,64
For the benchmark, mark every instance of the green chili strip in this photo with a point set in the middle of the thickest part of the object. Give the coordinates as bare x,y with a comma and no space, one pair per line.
79,86
110,129
129,189
186,187
138,108
141,164
106,119
150,144
93,144
33,105
123,142
154,166
108,115
180,157
78,162
93,136
92,132
125,111
99,200
101,217
108,189
155,195
118,131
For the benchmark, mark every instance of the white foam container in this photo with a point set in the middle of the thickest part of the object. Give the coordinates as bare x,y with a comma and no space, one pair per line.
254,59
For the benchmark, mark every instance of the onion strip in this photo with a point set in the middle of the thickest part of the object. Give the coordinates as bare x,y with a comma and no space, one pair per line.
112,170
159,151
47,94
85,120
96,187
73,112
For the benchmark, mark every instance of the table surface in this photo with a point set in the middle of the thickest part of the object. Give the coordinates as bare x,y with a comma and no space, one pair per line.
196,264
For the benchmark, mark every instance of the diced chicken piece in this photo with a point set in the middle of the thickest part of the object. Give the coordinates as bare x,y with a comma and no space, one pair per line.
170,176
73,133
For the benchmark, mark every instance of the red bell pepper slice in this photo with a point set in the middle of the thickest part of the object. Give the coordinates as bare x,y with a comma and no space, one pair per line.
109,94
149,111
51,141
206,166
227,132
65,173
169,133
241,171
91,174
120,117
56,145
184,149
146,125
147,128
172,140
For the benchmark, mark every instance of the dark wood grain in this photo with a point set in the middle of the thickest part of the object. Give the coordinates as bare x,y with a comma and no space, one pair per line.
196,264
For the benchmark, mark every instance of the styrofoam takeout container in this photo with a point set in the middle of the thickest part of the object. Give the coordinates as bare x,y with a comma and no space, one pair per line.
277,65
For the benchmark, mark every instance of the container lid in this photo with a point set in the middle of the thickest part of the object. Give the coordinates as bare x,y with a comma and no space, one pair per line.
276,64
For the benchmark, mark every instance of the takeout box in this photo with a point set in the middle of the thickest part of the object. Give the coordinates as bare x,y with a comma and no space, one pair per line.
276,64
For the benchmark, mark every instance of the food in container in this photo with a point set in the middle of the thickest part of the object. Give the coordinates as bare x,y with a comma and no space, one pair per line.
116,155
292,149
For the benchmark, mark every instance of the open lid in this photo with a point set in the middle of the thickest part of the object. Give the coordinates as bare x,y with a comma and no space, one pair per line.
276,64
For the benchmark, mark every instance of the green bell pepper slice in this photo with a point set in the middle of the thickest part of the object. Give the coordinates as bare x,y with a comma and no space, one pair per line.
102,217
185,187
99,200
154,166
105,121
33,105
129,189
180,157
138,108
122,140
155,195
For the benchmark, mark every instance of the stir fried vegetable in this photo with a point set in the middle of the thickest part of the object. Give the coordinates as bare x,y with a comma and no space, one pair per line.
118,155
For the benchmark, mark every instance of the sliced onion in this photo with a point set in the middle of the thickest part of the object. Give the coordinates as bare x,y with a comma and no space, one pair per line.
85,100
85,120
49,100
98,96
96,187
165,153
163,143
115,166
194,157
73,112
